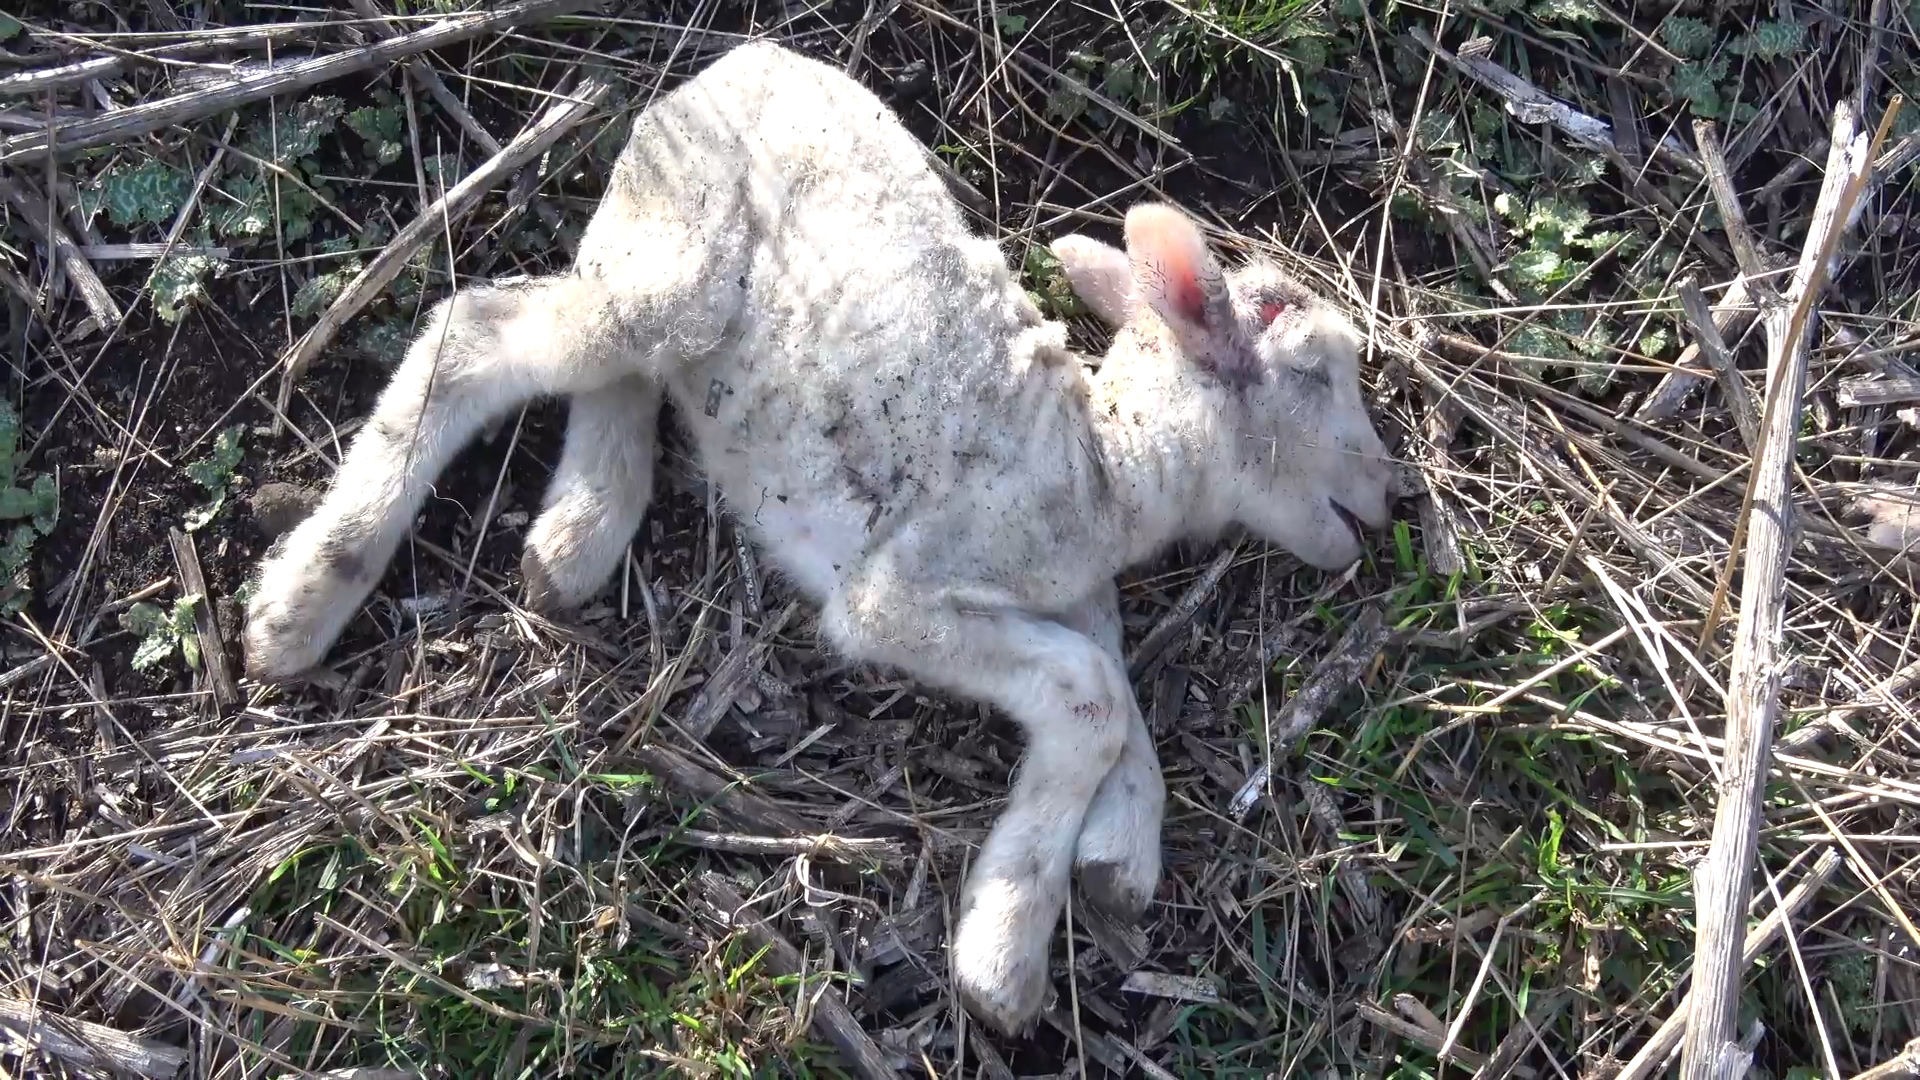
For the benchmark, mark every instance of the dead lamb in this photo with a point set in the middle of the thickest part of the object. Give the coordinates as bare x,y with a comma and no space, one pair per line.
902,433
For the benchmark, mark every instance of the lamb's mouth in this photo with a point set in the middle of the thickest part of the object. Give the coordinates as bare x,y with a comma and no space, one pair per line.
1351,519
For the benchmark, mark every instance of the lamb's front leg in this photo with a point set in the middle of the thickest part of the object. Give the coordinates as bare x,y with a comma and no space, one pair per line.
483,351
1072,699
1117,856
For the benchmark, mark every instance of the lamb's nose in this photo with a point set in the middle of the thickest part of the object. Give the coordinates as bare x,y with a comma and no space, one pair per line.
1370,498
1373,508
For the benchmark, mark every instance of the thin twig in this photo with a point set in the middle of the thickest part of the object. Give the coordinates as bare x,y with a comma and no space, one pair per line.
831,1017
462,197
1480,976
242,89
1525,1034
855,849
1414,1033
1335,672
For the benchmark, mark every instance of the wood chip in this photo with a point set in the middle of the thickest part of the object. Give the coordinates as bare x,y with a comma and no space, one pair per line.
1861,391
1162,984
86,1044
213,648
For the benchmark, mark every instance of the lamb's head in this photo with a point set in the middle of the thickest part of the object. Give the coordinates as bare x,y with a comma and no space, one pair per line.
1272,369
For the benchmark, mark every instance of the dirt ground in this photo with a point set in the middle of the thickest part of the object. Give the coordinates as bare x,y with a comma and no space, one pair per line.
494,844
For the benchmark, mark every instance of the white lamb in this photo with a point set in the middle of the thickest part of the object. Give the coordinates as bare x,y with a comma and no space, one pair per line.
902,433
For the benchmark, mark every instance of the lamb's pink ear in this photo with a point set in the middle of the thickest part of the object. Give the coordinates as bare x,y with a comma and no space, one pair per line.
1101,276
1179,278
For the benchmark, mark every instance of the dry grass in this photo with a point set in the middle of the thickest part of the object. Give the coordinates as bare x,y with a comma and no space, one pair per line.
495,846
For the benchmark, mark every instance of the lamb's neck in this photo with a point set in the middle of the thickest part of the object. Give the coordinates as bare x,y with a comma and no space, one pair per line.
1157,469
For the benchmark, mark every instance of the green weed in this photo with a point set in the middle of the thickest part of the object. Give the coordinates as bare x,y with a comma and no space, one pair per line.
150,193
163,633
1046,283
179,281
34,507
380,128
214,474
1701,80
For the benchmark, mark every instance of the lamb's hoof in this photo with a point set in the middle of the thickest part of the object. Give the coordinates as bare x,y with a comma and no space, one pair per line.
1119,891
540,591
1008,997
554,583
269,672
999,952
281,641
283,669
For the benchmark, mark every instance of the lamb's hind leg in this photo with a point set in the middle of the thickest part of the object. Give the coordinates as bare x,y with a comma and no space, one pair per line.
599,493
1072,699
1117,856
483,351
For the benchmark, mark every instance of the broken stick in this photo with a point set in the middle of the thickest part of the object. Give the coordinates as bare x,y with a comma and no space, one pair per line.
37,214
1708,342
1335,672
424,74
1731,317
1711,1050
1529,104
88,1045
730,798
1653,1056
831,1017
1182,612
462,197
151,116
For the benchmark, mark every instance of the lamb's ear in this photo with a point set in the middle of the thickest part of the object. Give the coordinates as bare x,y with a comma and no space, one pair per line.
1178,277
1101,276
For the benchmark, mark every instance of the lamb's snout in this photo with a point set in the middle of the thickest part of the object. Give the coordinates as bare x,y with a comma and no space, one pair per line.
1359,474
1351,520
1371,500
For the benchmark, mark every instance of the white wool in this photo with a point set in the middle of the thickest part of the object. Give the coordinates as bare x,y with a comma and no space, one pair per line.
901,433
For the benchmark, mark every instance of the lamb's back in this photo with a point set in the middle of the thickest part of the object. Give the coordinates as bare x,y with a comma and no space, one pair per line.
877,364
